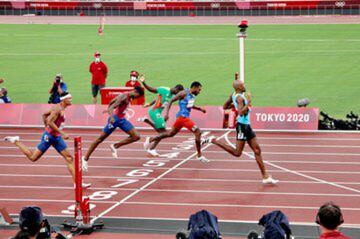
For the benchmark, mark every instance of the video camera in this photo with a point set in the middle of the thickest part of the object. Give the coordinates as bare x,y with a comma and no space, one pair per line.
47,229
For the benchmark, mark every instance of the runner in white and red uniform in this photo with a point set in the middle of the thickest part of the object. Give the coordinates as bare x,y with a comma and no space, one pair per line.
117,119
53,135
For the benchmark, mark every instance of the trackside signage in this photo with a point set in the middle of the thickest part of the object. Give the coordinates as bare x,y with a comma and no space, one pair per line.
284,118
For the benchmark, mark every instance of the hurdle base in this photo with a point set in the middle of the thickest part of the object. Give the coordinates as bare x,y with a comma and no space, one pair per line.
82,229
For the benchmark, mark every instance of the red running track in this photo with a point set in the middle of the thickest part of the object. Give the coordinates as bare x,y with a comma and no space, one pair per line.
313,168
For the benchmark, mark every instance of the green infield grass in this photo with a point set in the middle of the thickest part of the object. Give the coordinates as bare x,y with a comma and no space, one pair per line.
283,62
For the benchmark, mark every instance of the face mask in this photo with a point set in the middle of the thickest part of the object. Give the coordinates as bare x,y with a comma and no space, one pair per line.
97,59
133,78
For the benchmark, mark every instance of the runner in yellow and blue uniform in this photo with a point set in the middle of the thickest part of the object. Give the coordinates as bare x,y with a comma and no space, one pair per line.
244,132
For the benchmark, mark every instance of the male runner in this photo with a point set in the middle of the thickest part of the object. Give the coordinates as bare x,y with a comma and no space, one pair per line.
116,110
244,132
156,120
186,100
53,135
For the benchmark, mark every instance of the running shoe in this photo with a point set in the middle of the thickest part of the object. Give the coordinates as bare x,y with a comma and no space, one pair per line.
147,143
153,152
270,180
113,151
202,159
12,139
84,164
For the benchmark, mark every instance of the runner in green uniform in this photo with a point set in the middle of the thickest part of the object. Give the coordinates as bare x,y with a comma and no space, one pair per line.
157,121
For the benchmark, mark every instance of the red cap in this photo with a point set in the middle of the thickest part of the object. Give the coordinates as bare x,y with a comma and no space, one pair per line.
244,22
97,54
134,73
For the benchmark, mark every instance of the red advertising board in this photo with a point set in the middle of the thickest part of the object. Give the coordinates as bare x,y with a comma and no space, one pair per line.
272,118
109,93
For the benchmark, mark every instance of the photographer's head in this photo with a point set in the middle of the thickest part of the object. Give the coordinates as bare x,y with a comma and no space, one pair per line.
58,78
66,99
329,217
30,221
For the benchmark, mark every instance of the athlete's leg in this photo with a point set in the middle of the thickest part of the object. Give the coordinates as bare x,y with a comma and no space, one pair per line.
69,162
197,134
167,134
94,145
150,123
133,137
228,148
155,143
254,145
31,155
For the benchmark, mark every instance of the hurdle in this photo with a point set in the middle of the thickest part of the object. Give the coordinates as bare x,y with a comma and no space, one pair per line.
82,223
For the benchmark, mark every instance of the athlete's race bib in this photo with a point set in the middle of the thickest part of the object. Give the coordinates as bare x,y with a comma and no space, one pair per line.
191,103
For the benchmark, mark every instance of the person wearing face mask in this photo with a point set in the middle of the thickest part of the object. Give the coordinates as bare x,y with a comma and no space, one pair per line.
133,82
99,72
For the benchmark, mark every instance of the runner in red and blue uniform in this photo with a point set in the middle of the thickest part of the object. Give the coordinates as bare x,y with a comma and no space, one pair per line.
186,100
53,135
117,119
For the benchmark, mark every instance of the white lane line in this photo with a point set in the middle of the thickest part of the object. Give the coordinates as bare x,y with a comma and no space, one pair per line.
298,173
184,169
117,134
148,184
174,179
179,204
108,142
223,161
210,151
187,191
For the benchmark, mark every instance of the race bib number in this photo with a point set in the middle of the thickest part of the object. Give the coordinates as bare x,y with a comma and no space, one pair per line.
191,103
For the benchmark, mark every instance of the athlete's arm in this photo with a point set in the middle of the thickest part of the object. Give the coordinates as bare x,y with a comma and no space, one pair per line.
54,114
150,104
44,117
228,103
242,109
199,109
177,97
248,97
149,88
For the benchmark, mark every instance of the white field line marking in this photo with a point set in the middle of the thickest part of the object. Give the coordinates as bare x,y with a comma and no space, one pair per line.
182,169
187,53
188,191
148,184
263,144
21,157
298,173
210,151
173,179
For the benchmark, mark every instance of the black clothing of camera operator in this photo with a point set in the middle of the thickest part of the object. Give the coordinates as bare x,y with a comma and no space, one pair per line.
57,89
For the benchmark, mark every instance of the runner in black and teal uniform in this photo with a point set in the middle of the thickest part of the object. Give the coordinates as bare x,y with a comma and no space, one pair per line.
164,95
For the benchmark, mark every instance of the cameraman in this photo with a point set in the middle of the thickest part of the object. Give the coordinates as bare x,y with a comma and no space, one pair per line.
57,89
33,225
4,99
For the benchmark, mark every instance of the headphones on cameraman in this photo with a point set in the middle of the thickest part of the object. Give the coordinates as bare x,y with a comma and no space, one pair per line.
338,221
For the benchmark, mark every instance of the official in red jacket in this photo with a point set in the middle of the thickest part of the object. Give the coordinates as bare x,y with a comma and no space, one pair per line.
99,72
133,81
